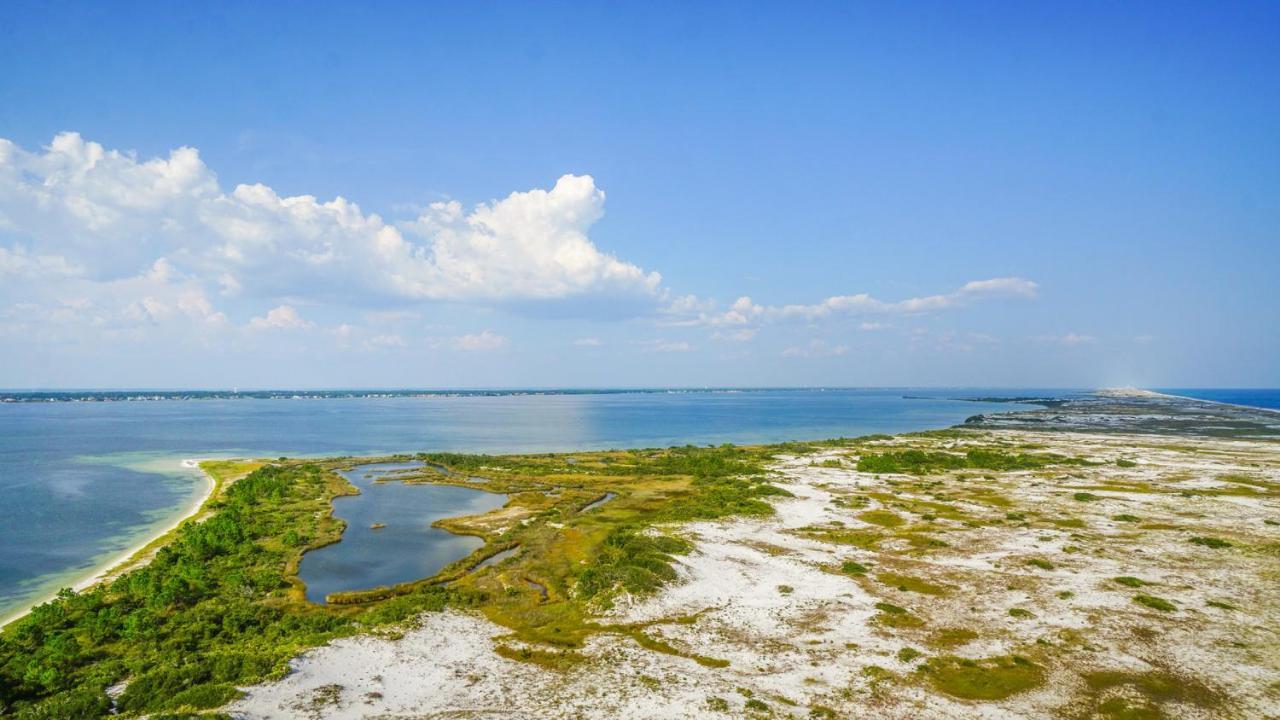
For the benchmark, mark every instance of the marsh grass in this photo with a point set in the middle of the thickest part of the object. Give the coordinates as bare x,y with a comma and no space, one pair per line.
993,678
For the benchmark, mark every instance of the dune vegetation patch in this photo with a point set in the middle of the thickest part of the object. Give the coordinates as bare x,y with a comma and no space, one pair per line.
993,678
924,462
907,583
1127,695
882,518
1155,603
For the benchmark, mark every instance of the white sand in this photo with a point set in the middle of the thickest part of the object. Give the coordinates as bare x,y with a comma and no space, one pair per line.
818,645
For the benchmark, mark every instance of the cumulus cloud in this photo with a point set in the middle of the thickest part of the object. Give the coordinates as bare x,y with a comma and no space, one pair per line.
80,205
744,311
283,317
486,340
528,245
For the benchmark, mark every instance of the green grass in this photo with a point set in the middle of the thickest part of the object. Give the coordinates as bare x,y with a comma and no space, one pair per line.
850,567
909,654
1211,542
895,616
1155,603
882,518
906,583
1129,581
1153,689
988,679
951,637
923,462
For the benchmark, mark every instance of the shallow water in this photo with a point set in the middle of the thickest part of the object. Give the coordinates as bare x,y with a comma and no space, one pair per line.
82,481
407,548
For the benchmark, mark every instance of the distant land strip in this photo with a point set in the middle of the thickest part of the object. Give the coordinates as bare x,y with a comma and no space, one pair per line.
141,395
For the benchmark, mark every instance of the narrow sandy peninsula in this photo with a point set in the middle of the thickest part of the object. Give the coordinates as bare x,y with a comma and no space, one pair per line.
1112,556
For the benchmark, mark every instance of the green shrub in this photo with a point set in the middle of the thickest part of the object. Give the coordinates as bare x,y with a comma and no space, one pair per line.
852,568
631,560
1155,603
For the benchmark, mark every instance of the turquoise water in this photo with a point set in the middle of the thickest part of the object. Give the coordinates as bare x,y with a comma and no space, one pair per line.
407,548
82,481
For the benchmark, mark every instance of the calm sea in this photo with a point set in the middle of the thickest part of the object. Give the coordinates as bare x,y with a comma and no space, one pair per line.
1254,397
82,482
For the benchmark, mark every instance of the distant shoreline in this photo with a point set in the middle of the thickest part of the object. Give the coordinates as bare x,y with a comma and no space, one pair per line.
12,396
133,555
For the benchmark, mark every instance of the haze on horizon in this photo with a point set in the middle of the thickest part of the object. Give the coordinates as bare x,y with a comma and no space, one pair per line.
516,196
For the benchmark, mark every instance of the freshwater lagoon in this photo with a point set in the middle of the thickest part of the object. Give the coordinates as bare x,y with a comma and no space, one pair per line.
389,539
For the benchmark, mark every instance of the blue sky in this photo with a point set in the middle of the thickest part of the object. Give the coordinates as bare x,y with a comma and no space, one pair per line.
937,194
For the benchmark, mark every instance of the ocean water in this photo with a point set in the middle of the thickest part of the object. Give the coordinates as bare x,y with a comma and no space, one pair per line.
1253,397
80,482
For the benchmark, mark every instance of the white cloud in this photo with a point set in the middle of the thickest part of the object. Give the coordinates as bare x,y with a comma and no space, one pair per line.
81,205
815,349
528,245
18,261
744,311
482,341
588,342
868,326
283,317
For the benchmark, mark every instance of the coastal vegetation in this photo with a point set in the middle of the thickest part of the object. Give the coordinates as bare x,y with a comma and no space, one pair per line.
220,604
584,537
